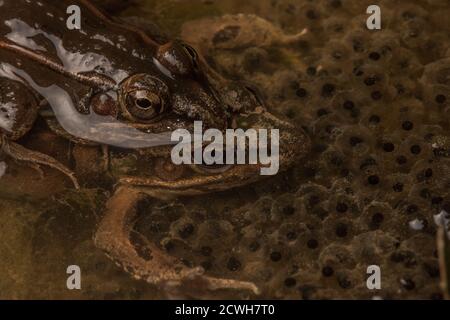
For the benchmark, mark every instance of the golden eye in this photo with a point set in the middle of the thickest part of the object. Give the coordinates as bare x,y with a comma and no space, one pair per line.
144,105
178,58
143,98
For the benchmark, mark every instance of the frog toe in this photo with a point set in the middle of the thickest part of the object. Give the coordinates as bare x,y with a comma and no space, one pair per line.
35,159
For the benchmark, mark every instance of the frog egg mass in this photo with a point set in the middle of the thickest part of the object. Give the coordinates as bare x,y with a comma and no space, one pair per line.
373,103
367,186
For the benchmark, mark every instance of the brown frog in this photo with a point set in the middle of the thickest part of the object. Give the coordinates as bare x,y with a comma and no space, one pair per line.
120,85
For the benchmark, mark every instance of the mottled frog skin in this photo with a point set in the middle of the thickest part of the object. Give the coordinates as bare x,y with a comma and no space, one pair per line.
118,84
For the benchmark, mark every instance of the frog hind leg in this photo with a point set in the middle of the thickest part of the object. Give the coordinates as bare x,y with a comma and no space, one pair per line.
35,159
151,263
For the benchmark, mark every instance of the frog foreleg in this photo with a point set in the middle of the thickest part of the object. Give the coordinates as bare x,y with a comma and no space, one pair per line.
20,153
152,264
83,104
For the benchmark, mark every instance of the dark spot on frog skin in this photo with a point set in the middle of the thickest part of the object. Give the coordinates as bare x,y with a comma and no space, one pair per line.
226,34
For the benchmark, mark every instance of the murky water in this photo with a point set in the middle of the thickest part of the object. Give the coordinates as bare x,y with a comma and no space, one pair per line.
375,104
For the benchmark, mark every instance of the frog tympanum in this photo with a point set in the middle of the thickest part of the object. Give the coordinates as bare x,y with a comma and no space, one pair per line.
113,83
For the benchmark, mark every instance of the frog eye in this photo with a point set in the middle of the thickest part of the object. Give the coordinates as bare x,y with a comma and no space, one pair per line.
144,105
143,97
178,58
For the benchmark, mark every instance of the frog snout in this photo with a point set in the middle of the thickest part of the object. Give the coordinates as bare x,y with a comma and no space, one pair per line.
293,142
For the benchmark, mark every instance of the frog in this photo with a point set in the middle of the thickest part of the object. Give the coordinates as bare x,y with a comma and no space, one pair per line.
120,85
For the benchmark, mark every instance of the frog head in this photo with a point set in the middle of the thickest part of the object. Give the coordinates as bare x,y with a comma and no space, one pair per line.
193,91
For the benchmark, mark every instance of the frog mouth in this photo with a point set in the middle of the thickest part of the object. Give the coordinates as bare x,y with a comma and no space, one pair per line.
201,179
194,179
211,169
195,183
